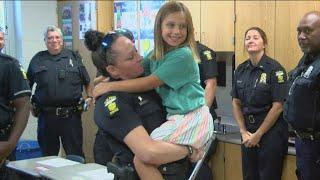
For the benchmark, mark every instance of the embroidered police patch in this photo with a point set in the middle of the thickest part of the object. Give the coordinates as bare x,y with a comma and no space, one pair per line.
263,78
111,105
208,55
280,77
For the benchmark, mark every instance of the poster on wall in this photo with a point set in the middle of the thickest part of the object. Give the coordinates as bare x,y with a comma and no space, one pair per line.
126,16
67,26
138,17
148,12
87,17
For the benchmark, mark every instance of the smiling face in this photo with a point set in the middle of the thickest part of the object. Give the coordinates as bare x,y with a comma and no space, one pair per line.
309,33
54,42
253,42
127,62
174,29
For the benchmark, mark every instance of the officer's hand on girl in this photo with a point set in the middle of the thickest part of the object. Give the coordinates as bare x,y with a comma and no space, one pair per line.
196,155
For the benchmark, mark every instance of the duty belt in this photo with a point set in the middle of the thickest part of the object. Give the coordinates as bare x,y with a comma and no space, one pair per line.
254,118
60,111
310,135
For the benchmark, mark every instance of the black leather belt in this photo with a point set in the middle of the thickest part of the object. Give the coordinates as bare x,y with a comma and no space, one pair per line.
310,135
60,111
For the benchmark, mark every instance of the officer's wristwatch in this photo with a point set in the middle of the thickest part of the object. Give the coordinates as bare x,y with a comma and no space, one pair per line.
190,151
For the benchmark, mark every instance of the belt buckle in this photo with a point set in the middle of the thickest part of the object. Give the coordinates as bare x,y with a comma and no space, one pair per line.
251,119
62,112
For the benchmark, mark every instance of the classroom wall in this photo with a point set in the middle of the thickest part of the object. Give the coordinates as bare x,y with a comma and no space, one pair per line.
29,27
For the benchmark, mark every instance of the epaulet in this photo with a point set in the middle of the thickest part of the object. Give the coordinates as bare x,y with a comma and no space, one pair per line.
7,57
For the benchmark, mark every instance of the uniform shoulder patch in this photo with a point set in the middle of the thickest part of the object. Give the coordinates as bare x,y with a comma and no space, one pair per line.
111,105
24,74
208,55
280,76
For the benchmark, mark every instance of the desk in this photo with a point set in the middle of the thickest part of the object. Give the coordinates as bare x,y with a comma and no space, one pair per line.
34,166
90,171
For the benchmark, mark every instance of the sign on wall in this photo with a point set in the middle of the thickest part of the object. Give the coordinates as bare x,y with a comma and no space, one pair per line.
87,17
67,26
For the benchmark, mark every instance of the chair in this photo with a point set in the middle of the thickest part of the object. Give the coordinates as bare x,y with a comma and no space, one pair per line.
200,162
76,158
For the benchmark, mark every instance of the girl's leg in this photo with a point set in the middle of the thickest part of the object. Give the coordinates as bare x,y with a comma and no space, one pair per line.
146,171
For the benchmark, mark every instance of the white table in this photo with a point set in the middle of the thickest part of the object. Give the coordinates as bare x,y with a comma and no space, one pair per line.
34,166
90,171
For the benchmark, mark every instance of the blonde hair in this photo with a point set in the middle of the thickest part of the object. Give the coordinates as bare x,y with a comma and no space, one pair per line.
159,44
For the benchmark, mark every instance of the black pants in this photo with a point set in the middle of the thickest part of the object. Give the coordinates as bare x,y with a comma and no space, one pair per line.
101,150
266,162
308,159
52,127
3,170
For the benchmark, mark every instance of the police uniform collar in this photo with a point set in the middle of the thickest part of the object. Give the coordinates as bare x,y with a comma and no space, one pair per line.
261,64
113,79
308,58
57,57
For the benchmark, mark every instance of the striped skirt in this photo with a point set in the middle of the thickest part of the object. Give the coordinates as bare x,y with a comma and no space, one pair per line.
194,128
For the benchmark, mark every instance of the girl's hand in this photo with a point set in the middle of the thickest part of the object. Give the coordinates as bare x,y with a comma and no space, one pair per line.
100,89
100,79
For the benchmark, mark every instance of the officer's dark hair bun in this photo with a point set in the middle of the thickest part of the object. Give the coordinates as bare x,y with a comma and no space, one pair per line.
93,39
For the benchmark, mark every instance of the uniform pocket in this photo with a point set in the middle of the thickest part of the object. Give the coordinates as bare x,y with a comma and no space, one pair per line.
261,96
241,90
41,76
73,76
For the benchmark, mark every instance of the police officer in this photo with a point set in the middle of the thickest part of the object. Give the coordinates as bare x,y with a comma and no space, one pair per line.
60,77
14,107
129,118
258,92
208,69
303,102
208,75
101,150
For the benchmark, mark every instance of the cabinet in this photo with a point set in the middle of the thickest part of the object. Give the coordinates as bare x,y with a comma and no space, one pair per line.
288,15
279,19
249,14
214,23
226,163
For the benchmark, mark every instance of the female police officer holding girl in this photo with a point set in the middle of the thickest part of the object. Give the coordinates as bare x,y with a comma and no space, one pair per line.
128,118
258,93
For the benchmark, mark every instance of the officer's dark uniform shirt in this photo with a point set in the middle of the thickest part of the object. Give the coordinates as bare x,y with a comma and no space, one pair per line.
13,85
208,66
60,78
303,102
117,113
258,86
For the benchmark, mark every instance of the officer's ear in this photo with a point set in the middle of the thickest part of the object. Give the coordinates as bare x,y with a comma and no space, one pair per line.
113,71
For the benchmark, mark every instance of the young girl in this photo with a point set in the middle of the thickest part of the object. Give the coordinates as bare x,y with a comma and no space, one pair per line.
171,68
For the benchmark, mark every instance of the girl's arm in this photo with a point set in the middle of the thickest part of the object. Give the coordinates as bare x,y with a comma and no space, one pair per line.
141,84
